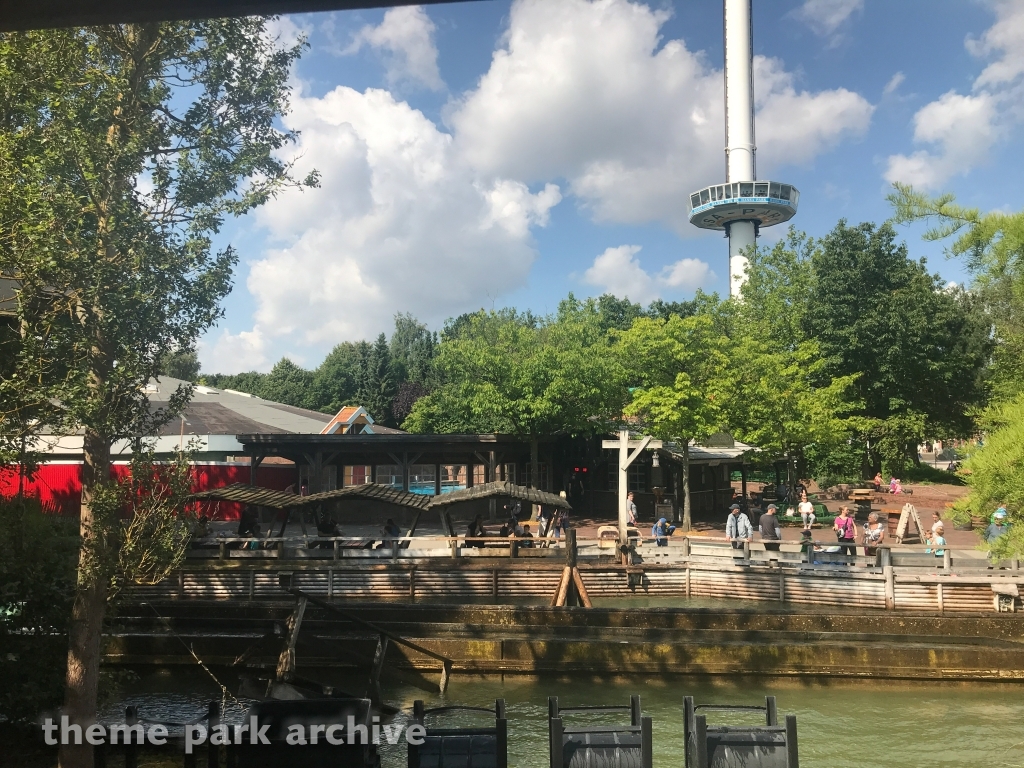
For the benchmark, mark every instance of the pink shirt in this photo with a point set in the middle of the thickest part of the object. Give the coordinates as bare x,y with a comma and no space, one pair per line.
846,527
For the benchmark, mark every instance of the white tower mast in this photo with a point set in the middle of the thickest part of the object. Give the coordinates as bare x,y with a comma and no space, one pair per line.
739,127
742,205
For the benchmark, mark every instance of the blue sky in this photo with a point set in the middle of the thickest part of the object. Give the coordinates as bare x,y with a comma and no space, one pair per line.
486,154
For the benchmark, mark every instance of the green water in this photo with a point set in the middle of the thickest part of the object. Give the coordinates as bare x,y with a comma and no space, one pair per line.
849,724
858,725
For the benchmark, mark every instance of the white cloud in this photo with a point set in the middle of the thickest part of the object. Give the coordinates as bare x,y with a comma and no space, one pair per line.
894,82
406,39
400,223
589,91
826,16
233,353
961,130
412,217
618,271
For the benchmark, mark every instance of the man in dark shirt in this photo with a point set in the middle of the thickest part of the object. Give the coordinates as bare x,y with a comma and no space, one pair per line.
771,534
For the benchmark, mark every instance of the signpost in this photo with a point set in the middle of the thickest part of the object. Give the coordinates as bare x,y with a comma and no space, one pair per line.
625,445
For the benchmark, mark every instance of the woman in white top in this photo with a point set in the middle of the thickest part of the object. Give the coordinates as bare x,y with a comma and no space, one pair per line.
874,534
806,510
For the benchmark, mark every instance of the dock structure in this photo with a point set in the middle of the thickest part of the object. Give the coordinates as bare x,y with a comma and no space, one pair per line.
483,607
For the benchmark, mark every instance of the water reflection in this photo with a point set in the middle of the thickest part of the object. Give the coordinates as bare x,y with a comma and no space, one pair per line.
845,725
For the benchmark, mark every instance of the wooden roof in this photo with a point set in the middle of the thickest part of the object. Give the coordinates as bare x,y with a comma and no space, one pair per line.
506,489
250,494
266,497
374,491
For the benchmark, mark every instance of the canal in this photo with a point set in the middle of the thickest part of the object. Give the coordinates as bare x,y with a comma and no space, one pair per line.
846,724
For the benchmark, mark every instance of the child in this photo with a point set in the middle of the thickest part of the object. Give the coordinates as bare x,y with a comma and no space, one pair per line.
937,541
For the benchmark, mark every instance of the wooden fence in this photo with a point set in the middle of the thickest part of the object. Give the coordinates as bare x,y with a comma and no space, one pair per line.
450,568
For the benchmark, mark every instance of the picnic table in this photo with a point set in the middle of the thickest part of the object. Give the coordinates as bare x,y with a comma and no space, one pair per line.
862,495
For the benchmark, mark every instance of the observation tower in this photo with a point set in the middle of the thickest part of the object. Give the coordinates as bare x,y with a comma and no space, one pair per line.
742,204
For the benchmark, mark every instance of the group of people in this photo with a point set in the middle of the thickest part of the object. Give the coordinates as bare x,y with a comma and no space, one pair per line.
895,486
551,523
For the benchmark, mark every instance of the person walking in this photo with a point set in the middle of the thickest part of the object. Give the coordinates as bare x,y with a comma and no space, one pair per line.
806,510
771,533
631,509
737,527
878,482
846,531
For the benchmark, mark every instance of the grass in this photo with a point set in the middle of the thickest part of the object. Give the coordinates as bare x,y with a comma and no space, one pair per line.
926,474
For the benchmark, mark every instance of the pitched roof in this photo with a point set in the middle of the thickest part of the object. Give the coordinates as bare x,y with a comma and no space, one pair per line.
226,412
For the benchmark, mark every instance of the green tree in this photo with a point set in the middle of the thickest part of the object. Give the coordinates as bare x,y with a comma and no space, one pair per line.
781,400
377,385
681,369
122,148
511,373
995,473
993,246
336,379
181,364
413,348
918,349
290,384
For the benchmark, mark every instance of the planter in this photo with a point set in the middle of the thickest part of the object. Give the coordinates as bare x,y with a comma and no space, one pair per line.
968,526
978,521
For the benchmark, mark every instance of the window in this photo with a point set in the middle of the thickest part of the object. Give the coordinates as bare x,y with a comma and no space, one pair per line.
637,474
705,197
784,190
453,477
542,471
358,475
728,191
505,472
761,189
746,190
390,474
479,474
695,200
330,478
421,479
774,190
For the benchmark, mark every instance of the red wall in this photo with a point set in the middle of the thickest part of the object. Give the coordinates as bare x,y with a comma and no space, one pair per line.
59,486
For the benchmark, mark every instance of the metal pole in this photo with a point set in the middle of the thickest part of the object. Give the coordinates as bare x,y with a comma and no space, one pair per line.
739,127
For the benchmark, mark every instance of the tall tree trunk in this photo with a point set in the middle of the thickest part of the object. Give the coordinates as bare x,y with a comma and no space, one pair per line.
687,520
89,610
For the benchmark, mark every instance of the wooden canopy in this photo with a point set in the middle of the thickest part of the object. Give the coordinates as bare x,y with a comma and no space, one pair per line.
265,497
373,491
249,494
505,489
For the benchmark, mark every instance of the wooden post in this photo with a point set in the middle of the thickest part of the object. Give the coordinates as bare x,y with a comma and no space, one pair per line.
782,584
378,667
623,444
286,662
890,587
